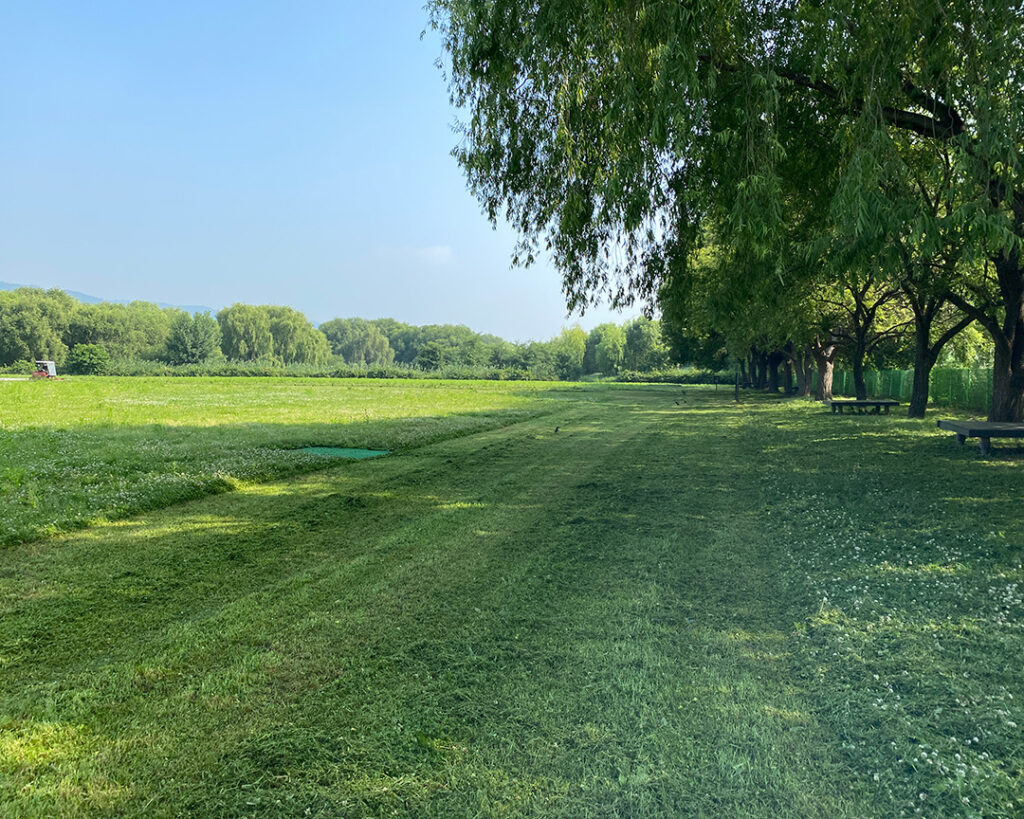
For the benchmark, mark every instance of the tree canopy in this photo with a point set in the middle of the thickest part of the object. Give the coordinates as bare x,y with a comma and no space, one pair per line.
358,341
613,134
192,339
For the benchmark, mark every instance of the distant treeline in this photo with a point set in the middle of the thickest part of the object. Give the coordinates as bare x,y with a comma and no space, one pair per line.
143,338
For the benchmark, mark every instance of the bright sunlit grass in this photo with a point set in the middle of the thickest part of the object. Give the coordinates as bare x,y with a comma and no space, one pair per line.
77,452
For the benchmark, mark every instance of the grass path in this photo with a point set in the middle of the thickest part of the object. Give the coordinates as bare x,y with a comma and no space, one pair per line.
638,615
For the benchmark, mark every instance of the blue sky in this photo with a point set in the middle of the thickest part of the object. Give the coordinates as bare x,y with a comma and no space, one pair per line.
277,152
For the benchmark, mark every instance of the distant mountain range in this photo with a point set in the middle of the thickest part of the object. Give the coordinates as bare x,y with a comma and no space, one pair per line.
87,299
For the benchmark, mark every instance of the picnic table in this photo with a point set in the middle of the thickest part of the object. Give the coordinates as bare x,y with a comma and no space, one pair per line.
984,431
874,404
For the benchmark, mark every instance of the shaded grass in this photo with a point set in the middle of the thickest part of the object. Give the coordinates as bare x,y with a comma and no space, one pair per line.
658,610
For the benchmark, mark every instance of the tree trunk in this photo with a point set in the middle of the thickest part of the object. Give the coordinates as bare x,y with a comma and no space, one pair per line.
924,360
1007,384
824,354
803,363
803,383
825,372
826,365
860,388
772,362
787,376
1008,361
919,396
760,368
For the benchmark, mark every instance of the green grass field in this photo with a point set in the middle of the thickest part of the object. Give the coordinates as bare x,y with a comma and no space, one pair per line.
76,453
659,610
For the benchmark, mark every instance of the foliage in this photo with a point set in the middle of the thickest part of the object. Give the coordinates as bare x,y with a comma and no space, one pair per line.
568,349
621,136
604,350
971,348
644,348
192,339
295,339
402,338
677,376
24,367
245,332
222,368
32,323
252,340
88,359
250,333
358,341
139,329
436,345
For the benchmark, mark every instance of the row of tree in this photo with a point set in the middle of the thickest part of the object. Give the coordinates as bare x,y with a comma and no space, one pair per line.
608,348
51,324
792,181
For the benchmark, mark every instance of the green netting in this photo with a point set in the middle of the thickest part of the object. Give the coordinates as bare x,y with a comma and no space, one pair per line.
343,452
949,387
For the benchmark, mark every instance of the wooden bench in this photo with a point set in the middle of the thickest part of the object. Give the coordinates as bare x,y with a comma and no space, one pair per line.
984,431
862,406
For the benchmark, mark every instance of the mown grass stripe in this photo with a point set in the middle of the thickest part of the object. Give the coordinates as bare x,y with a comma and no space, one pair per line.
621,618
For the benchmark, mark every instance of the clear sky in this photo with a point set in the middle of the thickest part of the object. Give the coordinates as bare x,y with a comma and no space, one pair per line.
266,152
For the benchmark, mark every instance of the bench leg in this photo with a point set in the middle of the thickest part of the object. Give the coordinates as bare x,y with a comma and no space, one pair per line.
985,445
960,439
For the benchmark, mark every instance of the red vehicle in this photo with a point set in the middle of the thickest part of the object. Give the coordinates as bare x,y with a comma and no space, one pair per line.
45,369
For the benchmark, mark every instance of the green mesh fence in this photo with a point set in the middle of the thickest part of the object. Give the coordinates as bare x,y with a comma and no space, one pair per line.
950,387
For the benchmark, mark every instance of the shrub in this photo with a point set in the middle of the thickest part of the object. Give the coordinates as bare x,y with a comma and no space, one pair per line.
674,376
88,359
19,368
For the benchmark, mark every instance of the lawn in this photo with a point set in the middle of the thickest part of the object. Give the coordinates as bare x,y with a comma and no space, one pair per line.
660,609
74,453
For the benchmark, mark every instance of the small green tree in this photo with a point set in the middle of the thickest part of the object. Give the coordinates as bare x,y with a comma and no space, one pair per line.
433,355
605,346
568,348
644,348
193,338
88,359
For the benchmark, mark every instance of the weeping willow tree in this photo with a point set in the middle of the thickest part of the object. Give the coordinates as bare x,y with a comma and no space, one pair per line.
608,131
